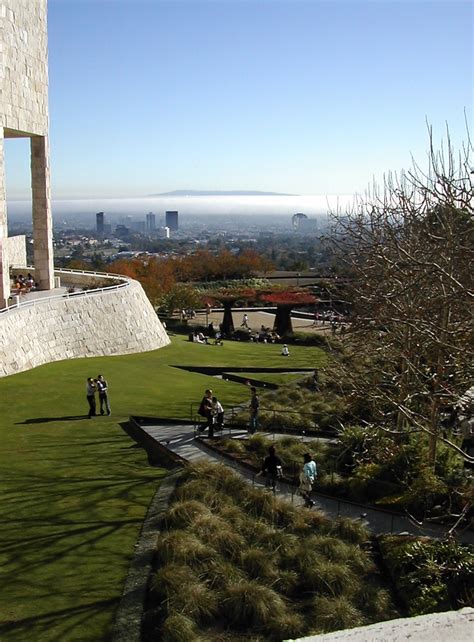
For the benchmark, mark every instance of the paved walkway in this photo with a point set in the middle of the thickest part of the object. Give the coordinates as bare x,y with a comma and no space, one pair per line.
180,439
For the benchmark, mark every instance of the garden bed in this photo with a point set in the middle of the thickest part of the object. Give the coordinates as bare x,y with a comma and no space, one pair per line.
235,563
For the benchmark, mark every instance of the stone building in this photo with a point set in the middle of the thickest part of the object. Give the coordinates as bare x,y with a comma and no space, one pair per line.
98,314
24,114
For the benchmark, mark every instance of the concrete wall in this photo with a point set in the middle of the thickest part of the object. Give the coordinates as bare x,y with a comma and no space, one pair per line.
452,626
110,323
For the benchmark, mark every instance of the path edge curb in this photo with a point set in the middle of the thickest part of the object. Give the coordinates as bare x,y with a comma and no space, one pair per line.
129,615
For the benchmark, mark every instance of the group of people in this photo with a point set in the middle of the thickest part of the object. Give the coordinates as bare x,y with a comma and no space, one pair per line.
23,284
211,409
93,387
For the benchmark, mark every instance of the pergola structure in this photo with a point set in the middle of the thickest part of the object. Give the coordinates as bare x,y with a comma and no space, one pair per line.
24,114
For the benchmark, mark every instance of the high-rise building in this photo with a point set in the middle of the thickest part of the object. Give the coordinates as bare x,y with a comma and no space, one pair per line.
171,220
150,222
99,220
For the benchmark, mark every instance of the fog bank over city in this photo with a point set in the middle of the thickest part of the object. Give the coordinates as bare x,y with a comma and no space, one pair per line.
235,205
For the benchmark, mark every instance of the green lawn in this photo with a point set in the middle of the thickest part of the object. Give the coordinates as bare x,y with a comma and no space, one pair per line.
74,491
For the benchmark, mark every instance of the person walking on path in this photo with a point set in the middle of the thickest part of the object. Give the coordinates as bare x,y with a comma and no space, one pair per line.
205,410
271,468
307,478
253,409
245,322
91,389
218,413
103,396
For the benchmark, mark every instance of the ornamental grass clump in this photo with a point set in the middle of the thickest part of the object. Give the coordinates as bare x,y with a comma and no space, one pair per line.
181,547
178,628
257,563
220,533
248,604
327,578
183,513
333,613
349,530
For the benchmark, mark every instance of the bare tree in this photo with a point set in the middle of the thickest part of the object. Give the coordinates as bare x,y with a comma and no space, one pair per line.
408,248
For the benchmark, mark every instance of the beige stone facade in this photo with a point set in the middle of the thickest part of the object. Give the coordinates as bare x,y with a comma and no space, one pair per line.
112,322
24,113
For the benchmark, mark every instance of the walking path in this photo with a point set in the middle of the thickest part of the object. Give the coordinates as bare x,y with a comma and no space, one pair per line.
180,440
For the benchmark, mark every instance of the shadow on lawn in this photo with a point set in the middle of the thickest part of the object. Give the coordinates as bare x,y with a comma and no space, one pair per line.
72,620
45,420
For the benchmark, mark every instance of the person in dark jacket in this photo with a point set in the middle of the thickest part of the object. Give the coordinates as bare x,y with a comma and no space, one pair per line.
272,468
102,387
205,410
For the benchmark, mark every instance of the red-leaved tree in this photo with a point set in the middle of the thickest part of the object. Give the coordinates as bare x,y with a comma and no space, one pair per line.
286,300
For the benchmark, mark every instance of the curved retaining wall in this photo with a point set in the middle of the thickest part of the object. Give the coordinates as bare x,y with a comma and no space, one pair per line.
112,322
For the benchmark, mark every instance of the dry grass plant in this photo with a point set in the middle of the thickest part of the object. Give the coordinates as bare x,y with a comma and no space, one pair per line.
178,628
183,513
333,613
182,547
248,605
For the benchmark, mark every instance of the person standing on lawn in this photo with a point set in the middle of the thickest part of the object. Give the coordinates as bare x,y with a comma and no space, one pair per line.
91,389
103,396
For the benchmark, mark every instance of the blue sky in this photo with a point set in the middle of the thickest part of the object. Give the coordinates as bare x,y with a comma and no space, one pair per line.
306,97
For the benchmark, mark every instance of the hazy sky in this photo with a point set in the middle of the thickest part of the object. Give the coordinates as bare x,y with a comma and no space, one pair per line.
306,97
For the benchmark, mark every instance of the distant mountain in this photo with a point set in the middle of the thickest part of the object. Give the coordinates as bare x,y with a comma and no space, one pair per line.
197,192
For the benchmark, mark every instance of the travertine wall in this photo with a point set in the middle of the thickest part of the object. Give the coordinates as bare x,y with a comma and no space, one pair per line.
16,251
115,322
24,66
24,112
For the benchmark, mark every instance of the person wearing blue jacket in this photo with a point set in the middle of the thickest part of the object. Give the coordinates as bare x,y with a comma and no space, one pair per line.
307,478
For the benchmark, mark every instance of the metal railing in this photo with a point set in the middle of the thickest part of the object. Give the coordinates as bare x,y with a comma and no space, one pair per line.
18,304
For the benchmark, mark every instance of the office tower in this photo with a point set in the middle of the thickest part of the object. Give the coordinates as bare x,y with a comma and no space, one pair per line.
150,222
99,219
171,220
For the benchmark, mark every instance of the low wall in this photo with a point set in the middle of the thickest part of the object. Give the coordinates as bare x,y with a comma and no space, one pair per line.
117,321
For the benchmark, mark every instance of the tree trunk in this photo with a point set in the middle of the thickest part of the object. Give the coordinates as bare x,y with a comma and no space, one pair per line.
282,325
228,321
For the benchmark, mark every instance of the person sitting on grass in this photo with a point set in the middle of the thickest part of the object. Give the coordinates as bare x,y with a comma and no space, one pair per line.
284,351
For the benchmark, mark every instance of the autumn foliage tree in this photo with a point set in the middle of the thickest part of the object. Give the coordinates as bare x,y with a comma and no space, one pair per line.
286,301
228,297
155,275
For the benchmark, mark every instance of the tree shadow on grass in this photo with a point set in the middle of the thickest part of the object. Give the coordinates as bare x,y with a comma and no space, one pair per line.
68,620
45,420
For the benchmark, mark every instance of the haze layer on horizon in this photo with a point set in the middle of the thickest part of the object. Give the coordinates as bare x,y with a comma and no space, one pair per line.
311,205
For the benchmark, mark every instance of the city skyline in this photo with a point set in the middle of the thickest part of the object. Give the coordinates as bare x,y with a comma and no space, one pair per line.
295,97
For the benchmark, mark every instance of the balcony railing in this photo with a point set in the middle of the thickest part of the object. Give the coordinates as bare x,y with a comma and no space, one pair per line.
38,300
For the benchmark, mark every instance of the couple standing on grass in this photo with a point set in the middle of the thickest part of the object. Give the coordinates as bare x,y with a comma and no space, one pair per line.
97,385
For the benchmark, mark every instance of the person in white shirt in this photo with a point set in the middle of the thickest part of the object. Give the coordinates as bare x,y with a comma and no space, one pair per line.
218,413
284,351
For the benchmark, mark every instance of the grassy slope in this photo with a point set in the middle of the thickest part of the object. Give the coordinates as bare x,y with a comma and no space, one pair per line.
74,491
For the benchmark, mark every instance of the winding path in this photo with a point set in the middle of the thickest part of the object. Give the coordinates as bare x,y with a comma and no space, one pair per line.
179,440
